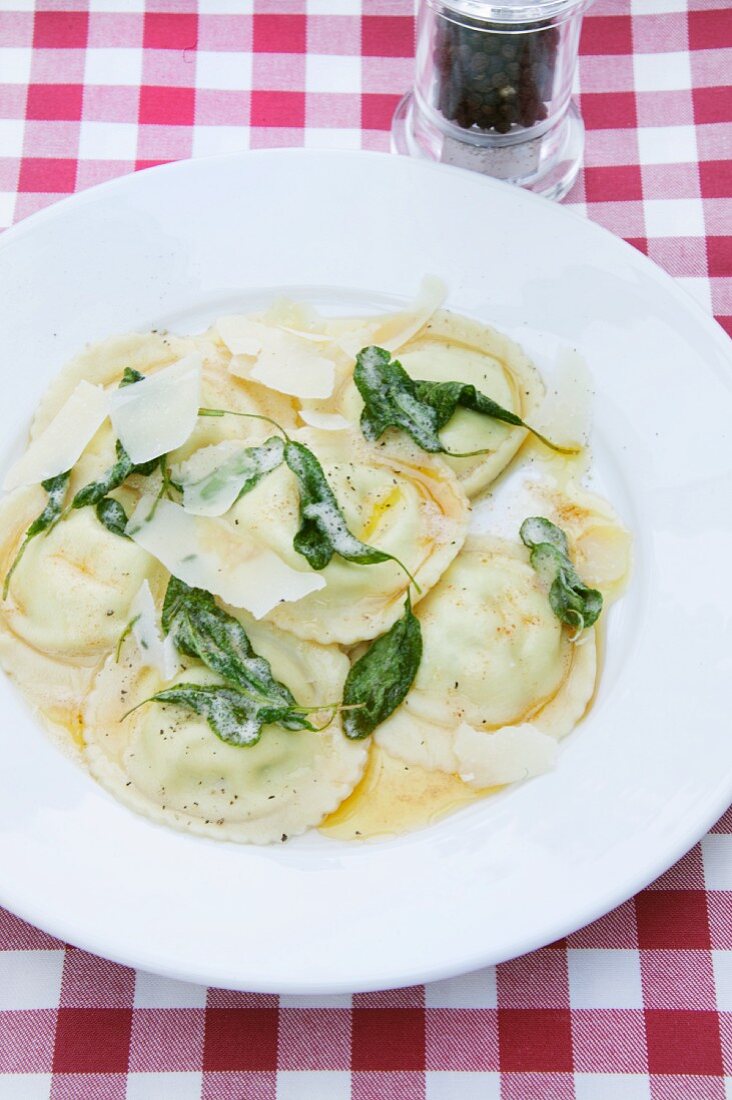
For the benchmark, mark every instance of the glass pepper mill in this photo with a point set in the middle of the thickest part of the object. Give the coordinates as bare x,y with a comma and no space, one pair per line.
492,91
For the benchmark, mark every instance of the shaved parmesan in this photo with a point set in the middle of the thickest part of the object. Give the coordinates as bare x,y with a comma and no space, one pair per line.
157,652
395,329
298,316
289,365
327,422
205,553
241,335
158,414
245,336
286,361
401,328
352,341
565,413
214,477
506,756
315,337
61,443
241,366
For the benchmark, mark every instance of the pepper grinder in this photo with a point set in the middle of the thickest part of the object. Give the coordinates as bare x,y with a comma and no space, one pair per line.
492,91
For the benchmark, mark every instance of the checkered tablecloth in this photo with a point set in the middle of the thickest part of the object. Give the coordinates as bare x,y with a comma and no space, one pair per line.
638,1005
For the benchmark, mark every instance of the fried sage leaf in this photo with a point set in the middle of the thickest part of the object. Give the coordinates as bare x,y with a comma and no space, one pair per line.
538,529
394,400
234,716
446,397
109,512
202,629
93,494
130,376
323,531
237,475
56,487
112,515
570,598
390,401
380,680
95,491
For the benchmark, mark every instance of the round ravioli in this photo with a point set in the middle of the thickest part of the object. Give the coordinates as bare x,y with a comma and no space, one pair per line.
166,762
71,592
67,604
104,364
396,499
455,349
496,659
55,689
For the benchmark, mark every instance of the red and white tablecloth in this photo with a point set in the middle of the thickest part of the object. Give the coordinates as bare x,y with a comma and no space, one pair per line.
638,1005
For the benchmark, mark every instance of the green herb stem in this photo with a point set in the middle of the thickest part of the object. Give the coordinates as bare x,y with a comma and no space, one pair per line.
164,489
248,416
120,642
573,449
57,488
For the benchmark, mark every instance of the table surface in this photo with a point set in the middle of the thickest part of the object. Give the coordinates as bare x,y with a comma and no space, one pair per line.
637,1005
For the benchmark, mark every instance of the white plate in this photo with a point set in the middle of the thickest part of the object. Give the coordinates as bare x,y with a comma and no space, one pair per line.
637,783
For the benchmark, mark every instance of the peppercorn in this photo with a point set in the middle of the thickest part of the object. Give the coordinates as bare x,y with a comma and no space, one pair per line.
493,79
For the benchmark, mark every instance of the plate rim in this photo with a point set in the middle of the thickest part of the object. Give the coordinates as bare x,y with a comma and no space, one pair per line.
200,976
685,839
27,224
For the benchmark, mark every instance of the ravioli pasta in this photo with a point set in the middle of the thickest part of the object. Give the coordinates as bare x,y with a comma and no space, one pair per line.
76,587
105,362
401,500
66,607
496,658
339,555
449,348
168,764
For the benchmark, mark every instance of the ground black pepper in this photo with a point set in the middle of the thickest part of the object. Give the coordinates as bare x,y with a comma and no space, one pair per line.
492,79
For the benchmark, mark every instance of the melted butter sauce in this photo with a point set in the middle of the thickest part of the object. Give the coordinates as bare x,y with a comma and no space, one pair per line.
378,513
76,729
71,720
564,417
394,797
564,469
